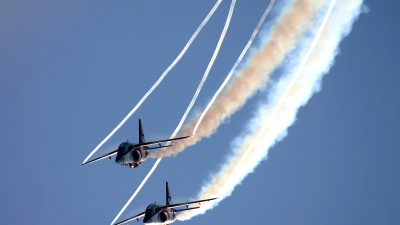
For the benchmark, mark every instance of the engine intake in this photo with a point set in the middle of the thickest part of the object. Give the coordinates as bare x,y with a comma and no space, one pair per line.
136,155
140,155
163,217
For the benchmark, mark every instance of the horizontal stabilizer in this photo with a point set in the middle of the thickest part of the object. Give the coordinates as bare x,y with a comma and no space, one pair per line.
160,141
165,146
187,203
180,210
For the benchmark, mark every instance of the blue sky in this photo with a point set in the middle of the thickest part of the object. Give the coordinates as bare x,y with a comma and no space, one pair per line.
70,71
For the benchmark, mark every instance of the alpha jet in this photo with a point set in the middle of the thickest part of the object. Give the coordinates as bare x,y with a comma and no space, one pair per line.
163,214
133,154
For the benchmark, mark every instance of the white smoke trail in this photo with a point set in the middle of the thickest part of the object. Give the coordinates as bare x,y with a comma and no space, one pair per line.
212,60
157,82
272,120
287,91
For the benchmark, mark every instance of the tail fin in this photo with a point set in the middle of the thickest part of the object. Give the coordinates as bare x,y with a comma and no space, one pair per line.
168,195
141,134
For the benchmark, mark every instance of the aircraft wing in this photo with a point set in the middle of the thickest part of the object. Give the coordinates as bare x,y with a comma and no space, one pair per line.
186,203
100,158
130,219
159,142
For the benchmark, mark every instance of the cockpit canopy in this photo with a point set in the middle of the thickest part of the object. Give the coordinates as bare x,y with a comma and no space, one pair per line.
151,209
123,145
123,148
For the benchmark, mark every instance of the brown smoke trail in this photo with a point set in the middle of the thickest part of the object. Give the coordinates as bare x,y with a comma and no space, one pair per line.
284,37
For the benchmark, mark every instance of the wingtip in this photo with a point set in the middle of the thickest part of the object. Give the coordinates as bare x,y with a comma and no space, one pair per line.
85,163
211,199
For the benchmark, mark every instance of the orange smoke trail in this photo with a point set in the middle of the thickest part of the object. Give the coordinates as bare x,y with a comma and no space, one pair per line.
284,37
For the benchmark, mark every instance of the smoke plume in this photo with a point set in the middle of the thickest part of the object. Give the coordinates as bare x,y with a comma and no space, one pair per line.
273,118
284,37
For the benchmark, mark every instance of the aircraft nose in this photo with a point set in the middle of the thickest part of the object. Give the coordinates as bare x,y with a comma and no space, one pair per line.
117,158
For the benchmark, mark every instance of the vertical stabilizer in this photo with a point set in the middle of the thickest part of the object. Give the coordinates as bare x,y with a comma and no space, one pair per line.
168,195
141,134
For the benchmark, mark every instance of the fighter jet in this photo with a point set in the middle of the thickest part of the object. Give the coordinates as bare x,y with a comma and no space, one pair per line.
133,154
163,214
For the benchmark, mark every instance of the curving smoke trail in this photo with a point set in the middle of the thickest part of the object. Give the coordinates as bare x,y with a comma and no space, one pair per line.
292,91
284,38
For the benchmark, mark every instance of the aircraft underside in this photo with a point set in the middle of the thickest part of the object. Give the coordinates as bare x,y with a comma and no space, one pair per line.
133,158
164,217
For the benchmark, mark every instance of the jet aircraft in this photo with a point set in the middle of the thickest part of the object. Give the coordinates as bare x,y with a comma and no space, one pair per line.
133,154
163,214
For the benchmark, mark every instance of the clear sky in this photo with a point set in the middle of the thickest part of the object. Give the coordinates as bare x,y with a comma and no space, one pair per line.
71,70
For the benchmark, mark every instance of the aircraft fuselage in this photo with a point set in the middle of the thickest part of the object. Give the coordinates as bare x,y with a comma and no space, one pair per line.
163,214
132,156
155,215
